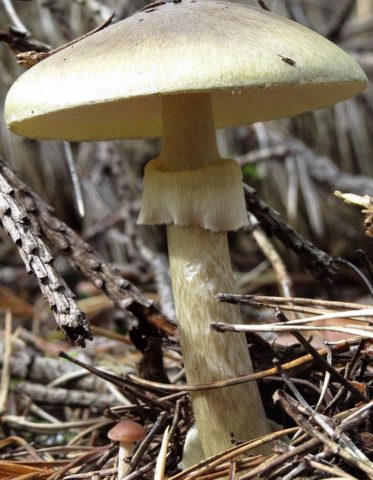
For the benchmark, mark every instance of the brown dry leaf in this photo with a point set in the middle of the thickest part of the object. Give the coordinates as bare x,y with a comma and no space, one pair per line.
94,305
30,476
362,387
19,470
18,306
31,58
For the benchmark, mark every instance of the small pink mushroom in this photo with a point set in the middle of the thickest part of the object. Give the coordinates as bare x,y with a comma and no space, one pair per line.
126,433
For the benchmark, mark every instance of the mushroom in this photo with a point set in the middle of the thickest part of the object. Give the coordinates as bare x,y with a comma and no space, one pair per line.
180,70
126,433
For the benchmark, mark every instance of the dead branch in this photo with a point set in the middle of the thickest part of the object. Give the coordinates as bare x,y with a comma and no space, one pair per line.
82,256
319,263
39,260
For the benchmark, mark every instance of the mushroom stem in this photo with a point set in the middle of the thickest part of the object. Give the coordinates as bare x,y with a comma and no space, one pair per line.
200,268
189,138
125,452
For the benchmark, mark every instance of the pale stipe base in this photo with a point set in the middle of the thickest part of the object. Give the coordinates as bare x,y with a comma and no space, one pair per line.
200,268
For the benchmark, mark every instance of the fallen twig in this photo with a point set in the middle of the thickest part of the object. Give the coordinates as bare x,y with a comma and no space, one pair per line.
39,260
337,442
320,264
233,381
323,363
82,256
31,58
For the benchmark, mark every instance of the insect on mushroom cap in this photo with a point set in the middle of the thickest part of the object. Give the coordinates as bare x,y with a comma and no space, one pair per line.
257,66
127,431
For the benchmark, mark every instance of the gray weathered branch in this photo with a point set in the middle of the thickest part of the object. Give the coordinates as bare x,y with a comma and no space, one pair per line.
38,259
81,255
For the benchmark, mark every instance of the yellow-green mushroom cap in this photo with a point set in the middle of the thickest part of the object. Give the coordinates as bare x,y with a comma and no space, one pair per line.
257,66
